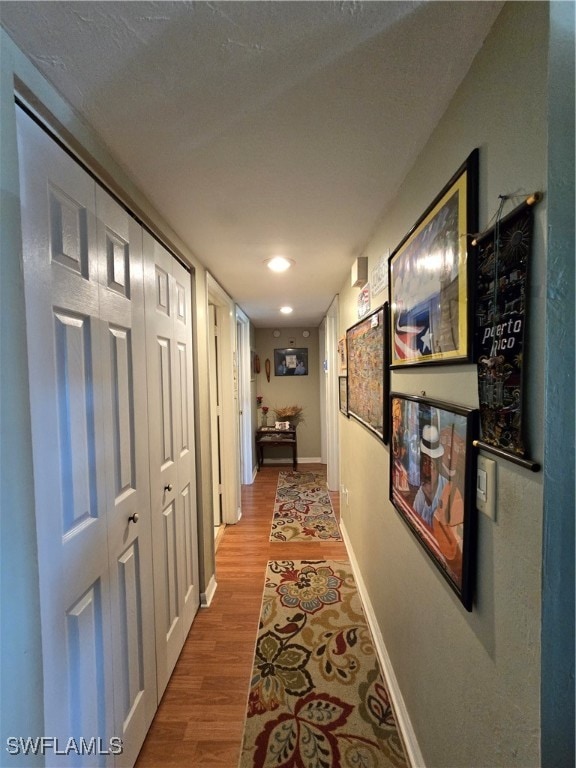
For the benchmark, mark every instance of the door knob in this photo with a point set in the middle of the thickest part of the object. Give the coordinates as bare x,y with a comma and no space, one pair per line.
133,518
168,487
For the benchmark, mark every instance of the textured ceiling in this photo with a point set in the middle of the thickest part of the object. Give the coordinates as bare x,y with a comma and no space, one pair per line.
259,128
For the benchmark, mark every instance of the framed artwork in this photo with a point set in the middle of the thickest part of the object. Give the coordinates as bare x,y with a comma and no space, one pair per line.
343,394
379,276
432,483
501,308
254,365
342,355
430,284
363,301
367,366
291,362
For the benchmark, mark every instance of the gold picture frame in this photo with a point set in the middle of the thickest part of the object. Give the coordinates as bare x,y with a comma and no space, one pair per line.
429,278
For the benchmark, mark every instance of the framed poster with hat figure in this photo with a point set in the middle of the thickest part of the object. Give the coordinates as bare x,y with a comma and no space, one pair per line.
432,471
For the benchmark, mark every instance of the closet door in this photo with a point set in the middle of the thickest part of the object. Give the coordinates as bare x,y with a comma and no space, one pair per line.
215,416
66,397
123,355
84,317
172,454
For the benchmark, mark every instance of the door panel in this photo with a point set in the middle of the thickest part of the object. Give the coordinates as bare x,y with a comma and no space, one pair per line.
88,700
64,336
120,341
133,671
171,558
74,350
215,412
186,498
125,458
82,258
183,411
189,522
172,454
165,371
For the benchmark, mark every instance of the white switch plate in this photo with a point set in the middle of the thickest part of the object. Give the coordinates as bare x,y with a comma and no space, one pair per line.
486,487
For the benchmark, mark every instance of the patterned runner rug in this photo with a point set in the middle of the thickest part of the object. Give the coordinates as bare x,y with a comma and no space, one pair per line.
317,698
303,510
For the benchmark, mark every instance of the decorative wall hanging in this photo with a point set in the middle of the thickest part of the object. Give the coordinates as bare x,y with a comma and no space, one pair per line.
379,275
342,360
367,351
500,323
267,369
432,471
343,394
363,303
291,361
429,277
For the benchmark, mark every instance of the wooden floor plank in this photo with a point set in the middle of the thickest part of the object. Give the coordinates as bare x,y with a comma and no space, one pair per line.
200,720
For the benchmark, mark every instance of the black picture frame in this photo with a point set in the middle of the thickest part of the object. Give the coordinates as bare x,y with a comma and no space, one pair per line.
291,361
343,394
430,277
432,483
501,319
367,357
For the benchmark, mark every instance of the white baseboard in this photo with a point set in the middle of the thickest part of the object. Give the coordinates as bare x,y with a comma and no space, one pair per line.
301,460
207,597
402,718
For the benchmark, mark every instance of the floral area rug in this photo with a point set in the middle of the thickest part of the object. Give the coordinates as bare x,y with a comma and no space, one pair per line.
317,698
303,510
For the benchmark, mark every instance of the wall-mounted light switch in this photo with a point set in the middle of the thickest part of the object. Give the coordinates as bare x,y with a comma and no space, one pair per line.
482,481
486,487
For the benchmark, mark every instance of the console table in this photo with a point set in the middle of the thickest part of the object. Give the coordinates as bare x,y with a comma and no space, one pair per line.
271,436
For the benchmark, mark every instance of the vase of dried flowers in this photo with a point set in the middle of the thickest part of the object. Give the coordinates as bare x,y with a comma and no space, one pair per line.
291,413
265,415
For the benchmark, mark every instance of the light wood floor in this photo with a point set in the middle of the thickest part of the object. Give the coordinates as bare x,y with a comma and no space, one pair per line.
200,721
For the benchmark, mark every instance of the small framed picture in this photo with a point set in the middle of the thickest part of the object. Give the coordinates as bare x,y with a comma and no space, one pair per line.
291,361
343,394
342,355
432,472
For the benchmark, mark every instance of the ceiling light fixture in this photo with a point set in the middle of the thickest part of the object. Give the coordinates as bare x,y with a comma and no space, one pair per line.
279,264
286,310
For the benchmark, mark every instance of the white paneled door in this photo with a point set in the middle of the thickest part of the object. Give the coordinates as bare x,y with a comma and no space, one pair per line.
89,395
215,415
172,456
126,462
65,337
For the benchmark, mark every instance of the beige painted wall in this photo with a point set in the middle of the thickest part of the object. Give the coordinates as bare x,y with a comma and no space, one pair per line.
292,390
470,681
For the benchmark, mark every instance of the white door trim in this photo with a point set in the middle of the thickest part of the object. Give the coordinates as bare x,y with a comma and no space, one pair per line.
244,397
229,443
331,395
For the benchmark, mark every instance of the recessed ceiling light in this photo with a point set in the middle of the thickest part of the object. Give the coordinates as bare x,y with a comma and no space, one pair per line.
285,310
279,264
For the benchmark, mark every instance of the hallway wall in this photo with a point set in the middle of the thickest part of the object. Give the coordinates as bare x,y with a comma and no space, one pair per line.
470,681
